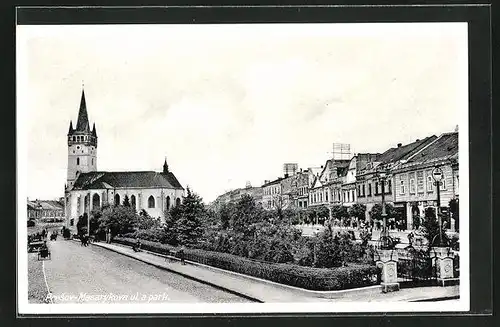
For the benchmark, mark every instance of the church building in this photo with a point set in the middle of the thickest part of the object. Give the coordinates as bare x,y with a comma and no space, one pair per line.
88,189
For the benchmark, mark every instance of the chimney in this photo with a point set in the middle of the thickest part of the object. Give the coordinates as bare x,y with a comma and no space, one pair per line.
417,140
286,175
400,144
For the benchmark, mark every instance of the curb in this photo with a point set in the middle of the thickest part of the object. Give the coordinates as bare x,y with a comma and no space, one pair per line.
183,274
443,298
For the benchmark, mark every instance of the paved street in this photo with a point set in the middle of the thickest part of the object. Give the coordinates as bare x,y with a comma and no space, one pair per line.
96,275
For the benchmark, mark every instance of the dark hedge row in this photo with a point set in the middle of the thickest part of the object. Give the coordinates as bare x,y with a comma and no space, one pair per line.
320,279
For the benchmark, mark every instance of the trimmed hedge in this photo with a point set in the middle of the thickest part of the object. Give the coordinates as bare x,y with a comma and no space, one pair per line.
319,279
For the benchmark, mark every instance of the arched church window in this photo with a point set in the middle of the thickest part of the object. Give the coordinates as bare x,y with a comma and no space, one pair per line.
117,199
74,138
151,202
168,202
132,201
177,202
96,201
92,161
77,161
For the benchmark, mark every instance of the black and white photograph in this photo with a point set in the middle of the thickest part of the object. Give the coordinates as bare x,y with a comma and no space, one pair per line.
239,168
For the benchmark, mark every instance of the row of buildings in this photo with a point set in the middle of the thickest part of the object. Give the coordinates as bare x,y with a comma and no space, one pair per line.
409,185
45,210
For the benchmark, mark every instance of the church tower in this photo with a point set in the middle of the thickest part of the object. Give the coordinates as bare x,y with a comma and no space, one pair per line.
82,145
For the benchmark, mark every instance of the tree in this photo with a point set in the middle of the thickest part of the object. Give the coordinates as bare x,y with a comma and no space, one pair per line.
340,212
81,225
224,215
376,211
145,221
327,251
126,201
358,211
415,216
188,219
244,213
119,219
94,221
431,228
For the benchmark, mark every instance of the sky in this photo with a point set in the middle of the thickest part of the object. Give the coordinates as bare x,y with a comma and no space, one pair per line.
227,104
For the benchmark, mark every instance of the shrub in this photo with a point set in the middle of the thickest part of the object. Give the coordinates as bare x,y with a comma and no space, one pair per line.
353,276
31,223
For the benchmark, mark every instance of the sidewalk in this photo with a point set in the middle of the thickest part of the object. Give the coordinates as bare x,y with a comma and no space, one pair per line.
266,291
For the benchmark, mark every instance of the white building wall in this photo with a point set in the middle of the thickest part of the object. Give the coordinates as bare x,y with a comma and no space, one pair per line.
142,195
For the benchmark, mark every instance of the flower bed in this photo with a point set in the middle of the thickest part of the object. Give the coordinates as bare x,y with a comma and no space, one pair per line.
319,279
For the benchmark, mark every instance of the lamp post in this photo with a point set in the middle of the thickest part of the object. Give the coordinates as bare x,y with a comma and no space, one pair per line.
293,195
384,234
437,174
387,256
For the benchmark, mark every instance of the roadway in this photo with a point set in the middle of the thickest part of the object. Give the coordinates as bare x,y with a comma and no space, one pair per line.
92,274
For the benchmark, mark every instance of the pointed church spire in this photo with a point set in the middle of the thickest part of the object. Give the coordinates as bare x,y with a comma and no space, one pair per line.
165,166
83,120
94,132
70,131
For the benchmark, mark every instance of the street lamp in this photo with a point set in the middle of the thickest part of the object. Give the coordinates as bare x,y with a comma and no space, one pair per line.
385,240
437,174
293,193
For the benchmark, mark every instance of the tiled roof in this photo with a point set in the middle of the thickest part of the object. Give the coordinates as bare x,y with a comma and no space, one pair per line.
142,179
33,205
45,205
276,181
445,147
404,151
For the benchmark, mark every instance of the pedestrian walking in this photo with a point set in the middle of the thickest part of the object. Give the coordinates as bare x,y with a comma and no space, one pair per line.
181,254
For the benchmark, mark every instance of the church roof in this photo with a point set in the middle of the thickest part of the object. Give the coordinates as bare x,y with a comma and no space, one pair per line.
82,124
139,179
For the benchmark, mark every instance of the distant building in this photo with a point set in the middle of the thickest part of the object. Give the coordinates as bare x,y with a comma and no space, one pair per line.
45,210
235,195
272,195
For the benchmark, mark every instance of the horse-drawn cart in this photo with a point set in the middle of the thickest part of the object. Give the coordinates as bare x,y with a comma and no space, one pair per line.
44,253
34,246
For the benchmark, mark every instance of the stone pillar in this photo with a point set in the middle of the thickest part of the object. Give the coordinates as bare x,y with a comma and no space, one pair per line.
387,261
443,261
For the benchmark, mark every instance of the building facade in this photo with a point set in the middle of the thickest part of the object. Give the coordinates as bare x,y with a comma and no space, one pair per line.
88,189
272,198
415,188
45,210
